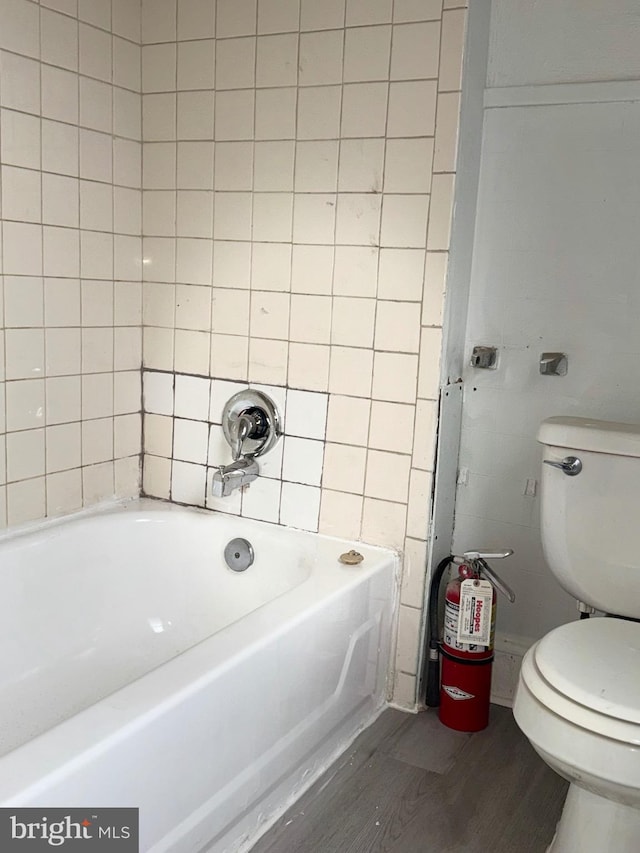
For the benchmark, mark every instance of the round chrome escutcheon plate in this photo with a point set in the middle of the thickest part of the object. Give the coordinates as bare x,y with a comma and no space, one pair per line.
239,555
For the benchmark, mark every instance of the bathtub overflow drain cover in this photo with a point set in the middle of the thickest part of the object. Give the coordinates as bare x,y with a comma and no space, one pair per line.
239,555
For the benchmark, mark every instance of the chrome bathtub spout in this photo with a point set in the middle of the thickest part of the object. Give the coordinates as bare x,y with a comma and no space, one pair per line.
228,478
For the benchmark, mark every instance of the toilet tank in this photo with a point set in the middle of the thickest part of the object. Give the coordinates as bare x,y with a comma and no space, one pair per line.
590,523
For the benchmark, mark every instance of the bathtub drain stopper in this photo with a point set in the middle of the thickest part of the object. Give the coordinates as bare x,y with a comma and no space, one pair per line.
351,558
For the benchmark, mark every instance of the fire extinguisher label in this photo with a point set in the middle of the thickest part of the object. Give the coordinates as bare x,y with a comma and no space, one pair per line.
450,635
456,693
474,624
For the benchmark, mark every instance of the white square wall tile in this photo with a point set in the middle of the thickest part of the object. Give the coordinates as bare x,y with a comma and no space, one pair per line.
387,476
24,353
311,269
340,514
314,217
158,435
404,221
23,301
20,139
327,15
21,197
353,321
188,483
414,571
273,166
348,419
235,63
275,113
344,468
355,272
412,108
395,377
419,503
319,112
272,217
447,120
321,58
158,392
190,441
361,165
270,315
392,426
366,53
350,371
22,248
192,397
302,460
401,274
300,506
408,639
278,16
309,366
364,110
358,219
25,454
230,311
233,166
156,477
218,451
232,216
196,65
236,17
268,360
316,166
26,501
196,19
306,414
417,10
310,320
277,60
361,12
416,51
383,522
398,326
408,165
261,500
453,29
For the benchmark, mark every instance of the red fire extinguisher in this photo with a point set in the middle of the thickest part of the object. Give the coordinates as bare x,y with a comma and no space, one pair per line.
464,687
465,676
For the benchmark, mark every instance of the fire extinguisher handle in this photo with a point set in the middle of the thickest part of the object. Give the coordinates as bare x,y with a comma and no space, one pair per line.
496,580
488,555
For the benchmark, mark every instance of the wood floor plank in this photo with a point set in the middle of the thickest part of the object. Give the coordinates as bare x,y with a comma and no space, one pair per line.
490,794
424,742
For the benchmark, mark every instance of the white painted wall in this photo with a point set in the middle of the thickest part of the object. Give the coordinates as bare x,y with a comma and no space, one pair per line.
556,266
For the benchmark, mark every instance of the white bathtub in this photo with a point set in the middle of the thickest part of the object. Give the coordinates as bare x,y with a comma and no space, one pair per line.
136,669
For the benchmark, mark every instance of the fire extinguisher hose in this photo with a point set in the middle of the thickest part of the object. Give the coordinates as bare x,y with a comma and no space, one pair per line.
432,698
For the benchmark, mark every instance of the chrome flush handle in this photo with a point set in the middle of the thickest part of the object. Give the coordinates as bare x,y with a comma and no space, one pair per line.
570,465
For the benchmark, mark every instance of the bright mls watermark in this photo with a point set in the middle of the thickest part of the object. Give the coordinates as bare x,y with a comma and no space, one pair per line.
72,830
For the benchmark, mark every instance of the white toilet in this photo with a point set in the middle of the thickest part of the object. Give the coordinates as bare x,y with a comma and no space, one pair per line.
578,697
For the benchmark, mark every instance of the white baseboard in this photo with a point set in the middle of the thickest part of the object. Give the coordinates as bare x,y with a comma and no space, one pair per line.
509,651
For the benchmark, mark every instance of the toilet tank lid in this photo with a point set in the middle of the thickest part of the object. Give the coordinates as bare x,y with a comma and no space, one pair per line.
590,434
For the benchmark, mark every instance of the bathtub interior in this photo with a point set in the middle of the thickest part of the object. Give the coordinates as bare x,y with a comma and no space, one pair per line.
91,604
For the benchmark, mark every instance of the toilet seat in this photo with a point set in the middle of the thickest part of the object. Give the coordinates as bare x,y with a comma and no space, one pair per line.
584,672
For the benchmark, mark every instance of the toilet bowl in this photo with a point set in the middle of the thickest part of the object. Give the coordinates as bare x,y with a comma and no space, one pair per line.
578,695
578,702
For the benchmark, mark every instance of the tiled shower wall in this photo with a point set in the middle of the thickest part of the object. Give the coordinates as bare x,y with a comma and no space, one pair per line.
297,189
71,292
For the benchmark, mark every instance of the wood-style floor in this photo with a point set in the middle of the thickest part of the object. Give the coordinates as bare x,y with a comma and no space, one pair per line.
410,785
